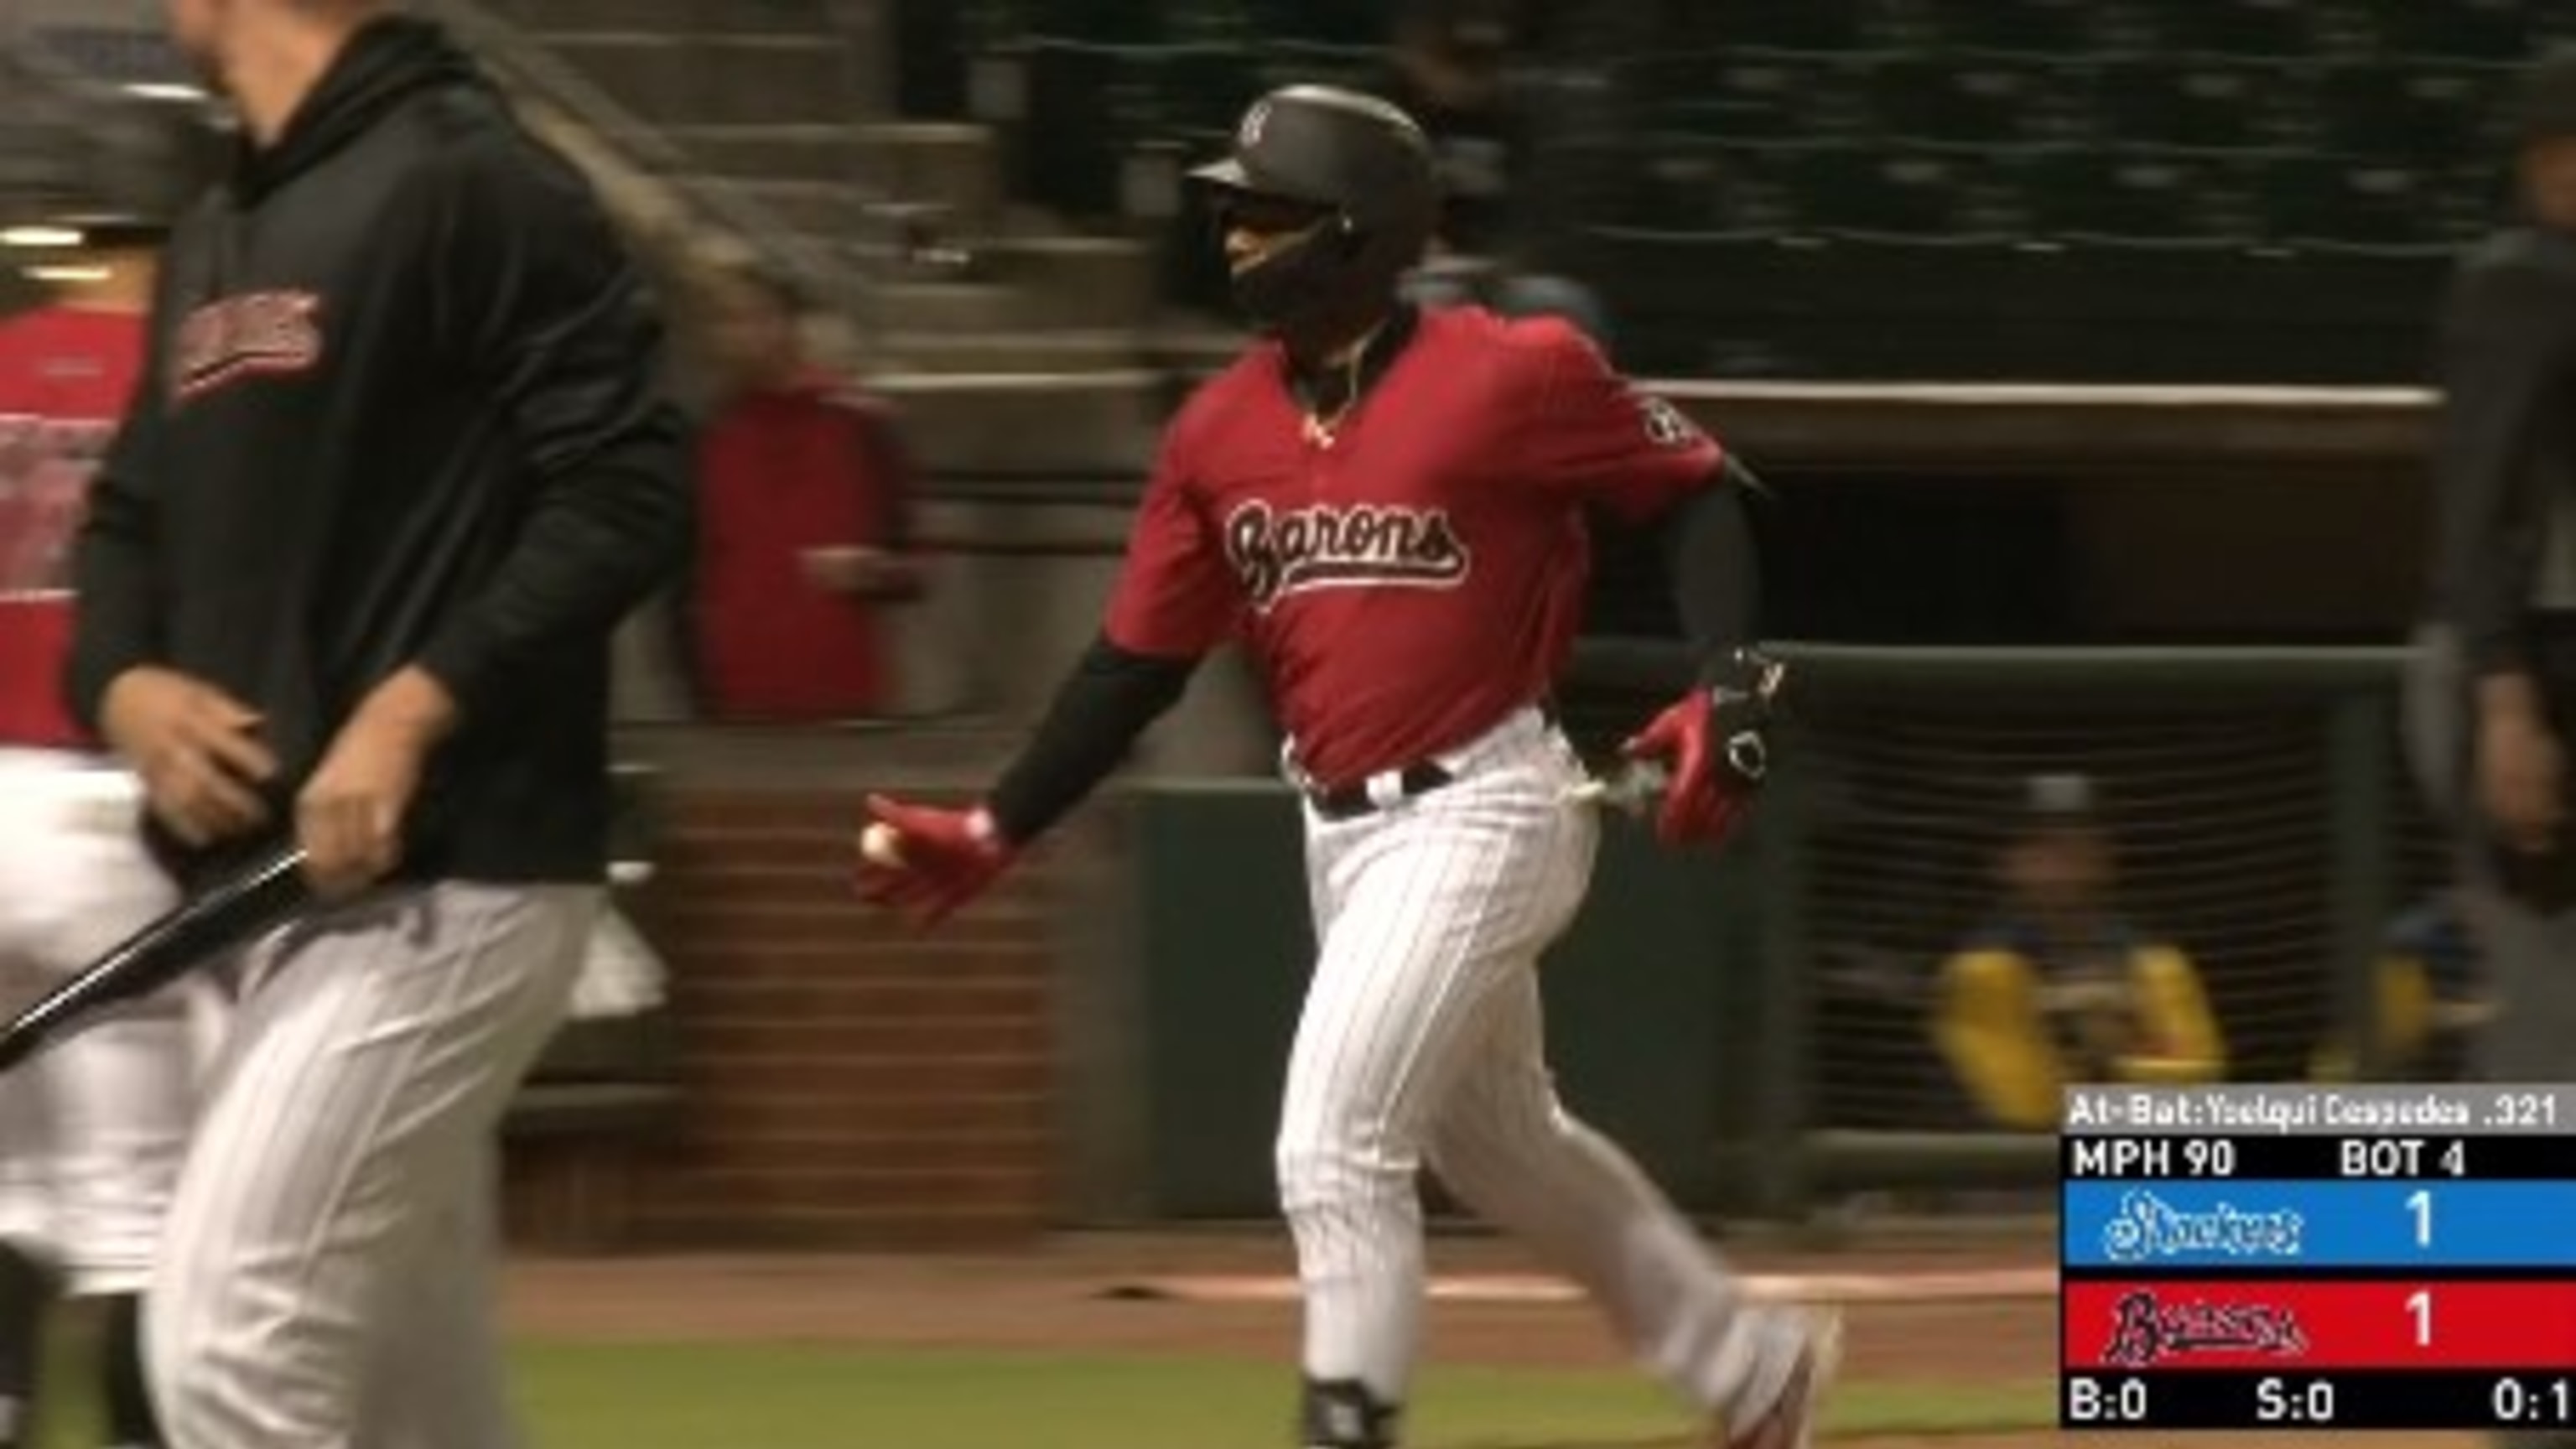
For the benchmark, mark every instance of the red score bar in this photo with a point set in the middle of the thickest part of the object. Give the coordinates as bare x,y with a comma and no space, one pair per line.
2292,1325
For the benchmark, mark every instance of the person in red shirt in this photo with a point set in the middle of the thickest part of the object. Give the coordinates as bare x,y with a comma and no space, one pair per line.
804,485
1385,507
92,1133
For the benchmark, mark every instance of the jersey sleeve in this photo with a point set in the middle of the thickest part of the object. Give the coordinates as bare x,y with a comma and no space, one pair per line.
1595,437
1175,596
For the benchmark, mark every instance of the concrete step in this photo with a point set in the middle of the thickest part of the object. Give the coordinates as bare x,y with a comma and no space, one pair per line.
679,80
999,354
954,168
649,17
1101,277
1033,403
809,151
969,308
826,208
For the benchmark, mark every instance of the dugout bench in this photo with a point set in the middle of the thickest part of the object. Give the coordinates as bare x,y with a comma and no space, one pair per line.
605,1093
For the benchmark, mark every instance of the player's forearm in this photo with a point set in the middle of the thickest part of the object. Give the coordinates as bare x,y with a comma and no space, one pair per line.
1109,699
1715,570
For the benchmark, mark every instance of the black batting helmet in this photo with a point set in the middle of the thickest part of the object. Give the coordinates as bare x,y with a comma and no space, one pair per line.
1335,148
1356,158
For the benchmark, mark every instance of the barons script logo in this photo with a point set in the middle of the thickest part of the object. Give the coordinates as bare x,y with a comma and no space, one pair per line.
254,334
1325,546
2144,1330
2149,1227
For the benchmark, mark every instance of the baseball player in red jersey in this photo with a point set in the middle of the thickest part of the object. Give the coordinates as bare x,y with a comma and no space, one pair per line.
93,1131
1384,506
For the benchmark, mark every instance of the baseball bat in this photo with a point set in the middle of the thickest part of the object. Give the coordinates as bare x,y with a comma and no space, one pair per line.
196,933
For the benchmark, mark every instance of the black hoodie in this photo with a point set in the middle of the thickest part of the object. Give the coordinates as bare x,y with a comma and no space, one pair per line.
400,408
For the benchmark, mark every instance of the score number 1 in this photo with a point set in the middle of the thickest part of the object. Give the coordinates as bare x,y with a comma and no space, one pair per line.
2419,1304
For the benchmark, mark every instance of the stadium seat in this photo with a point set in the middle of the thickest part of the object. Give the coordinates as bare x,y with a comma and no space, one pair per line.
2026,27
2480,30
1684,183
2280,29
1947,101
2094,196
1884,194
1206,87
2199,105
1750,95
1316,62
1791,24
2315,203
2397,110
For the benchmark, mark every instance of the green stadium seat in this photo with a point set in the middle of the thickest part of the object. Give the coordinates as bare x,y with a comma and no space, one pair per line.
1317,62
2483,30
2475,196
1878,193
2396,110
2315,203
1750,95
2281,29
2108,197
1681,183
2198,105
1206,87
1335,23
1945,100
1791,24
2025,27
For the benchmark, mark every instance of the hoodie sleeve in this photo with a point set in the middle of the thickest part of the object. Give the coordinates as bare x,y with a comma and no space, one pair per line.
544,304
115,574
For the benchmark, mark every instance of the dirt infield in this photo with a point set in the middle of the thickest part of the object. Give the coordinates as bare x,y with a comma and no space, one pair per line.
1063,1297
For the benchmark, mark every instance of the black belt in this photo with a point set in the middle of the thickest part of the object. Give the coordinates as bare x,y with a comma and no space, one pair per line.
1350,802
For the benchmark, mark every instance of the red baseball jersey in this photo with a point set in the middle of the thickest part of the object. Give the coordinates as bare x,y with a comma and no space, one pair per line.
65,376
1407,581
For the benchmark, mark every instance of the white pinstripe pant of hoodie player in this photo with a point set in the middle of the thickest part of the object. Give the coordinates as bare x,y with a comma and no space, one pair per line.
1421,1041
324,1280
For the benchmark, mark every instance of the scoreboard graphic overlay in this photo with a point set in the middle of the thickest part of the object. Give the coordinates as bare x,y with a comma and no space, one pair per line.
2292,1257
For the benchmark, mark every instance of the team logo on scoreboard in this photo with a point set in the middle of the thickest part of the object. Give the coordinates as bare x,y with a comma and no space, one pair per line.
2144,1329
2149,1227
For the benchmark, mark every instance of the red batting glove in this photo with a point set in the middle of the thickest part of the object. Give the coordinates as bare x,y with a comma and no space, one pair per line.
1712,745
948,857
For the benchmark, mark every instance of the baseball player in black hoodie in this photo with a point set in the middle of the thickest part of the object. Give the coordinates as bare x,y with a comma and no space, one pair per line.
396,468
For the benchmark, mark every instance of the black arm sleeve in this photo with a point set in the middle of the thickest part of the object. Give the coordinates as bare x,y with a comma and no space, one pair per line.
1108,700
1715,569
2505,363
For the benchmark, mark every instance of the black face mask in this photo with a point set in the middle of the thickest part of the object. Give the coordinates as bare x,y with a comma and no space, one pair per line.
1300,279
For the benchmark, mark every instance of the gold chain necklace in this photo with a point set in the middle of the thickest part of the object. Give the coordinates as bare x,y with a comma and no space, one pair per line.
1322,428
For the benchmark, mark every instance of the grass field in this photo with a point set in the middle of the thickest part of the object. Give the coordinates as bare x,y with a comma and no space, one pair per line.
691,1396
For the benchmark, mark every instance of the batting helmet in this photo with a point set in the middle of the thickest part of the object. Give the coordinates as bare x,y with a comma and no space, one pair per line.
1362,163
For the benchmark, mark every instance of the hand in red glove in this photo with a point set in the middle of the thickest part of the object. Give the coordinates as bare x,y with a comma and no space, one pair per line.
1713,747
940,859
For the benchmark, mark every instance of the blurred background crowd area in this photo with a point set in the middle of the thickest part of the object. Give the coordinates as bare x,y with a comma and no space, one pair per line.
2082,342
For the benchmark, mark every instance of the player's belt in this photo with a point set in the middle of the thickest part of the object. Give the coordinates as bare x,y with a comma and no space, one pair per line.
1379,791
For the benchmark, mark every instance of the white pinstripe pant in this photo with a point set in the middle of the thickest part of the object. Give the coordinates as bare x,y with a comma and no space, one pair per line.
92,1130
1421,1039
324,1281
